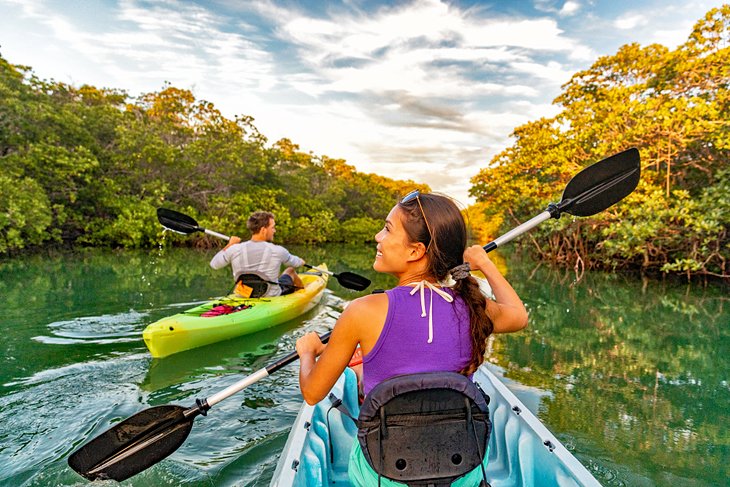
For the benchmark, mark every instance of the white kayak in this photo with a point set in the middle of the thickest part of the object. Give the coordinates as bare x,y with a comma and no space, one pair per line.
522,452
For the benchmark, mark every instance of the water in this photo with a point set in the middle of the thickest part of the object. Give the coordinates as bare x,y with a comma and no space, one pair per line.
630,374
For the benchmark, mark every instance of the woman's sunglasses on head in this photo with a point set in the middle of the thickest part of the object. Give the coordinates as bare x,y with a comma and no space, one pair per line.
415,195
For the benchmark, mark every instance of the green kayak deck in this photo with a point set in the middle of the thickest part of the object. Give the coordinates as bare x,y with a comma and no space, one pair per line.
189,329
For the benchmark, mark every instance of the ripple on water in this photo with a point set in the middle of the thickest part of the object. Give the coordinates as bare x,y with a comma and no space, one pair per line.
108,328
62,408
236,444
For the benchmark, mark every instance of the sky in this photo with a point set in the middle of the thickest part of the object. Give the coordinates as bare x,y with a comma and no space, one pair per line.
424,90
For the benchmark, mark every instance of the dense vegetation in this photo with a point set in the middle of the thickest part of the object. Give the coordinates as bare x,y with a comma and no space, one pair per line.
89,166
674,107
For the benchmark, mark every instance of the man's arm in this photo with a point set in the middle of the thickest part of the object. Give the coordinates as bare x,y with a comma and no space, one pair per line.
292,260
222,258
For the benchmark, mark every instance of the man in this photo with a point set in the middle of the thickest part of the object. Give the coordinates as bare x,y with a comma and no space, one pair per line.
260,256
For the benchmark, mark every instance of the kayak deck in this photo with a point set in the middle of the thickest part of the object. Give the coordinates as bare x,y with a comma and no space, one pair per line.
188,330
522,452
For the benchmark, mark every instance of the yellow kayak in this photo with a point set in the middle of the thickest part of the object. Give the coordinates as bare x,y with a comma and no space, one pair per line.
190,329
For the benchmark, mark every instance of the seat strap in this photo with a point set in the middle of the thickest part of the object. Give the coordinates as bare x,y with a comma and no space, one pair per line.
476,439
336,404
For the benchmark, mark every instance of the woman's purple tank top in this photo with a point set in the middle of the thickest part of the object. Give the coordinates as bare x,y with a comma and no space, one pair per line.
403,347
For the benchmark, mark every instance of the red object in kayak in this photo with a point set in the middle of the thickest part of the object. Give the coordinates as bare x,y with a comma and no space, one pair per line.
356,358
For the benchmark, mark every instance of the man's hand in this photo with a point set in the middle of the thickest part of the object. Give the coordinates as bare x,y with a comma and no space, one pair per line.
233,241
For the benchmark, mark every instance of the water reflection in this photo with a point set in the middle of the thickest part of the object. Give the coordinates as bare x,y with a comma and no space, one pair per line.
637,371
630,374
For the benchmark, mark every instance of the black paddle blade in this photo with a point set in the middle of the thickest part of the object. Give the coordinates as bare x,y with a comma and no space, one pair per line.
135,444
353,281
177,222
602,184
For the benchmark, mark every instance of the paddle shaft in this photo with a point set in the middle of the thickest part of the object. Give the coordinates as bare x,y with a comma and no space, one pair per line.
216,234
592,190
320,270
517,231
257,376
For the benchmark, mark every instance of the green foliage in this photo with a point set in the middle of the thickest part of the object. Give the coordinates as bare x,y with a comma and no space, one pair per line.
99,163
673,106
133,226
317,228
361,229
25,213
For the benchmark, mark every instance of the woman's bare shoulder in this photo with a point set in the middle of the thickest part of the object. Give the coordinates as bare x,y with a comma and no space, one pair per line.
366,308
364,318
365,303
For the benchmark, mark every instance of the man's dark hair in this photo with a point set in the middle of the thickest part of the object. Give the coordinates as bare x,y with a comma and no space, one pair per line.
259,220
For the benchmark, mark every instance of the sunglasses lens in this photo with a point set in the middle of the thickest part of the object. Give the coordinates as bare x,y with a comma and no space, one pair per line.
410,196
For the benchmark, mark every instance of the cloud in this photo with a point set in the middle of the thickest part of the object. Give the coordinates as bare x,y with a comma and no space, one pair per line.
569,8
422,89
425,65
630,21
166,41
396,48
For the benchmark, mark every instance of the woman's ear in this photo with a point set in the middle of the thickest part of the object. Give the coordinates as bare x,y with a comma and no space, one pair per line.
416,252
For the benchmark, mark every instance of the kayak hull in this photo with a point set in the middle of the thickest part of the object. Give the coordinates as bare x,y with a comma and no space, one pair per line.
188,330
522,452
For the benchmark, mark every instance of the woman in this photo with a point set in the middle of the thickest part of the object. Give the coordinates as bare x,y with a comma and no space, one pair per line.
421,325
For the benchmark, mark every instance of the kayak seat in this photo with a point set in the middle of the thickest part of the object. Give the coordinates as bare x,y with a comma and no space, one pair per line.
258,285
425,429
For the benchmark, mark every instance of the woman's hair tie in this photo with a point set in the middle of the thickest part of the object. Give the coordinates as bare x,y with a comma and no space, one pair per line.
461,271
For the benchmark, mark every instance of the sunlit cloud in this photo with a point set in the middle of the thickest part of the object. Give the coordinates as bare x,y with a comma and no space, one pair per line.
569,8
424,90
630,21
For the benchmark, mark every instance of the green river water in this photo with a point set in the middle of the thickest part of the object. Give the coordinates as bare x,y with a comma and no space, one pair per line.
630,374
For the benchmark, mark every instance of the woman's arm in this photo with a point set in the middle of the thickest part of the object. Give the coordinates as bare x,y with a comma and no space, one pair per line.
316,377
507,312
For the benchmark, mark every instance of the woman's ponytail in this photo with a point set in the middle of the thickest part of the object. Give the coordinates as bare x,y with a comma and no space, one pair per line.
480,324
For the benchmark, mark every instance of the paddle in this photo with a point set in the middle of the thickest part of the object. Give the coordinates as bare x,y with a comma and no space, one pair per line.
147,437
347,279
182,223
594,189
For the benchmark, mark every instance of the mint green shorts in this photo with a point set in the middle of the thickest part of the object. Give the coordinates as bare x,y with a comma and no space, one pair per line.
362,475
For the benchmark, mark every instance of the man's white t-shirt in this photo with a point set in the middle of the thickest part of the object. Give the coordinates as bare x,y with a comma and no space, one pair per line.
257,257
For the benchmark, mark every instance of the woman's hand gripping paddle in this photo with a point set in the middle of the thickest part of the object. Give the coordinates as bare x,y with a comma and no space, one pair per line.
182,223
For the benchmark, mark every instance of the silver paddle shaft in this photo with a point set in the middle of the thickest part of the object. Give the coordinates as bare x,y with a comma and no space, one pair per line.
258,375
519,230
216,234
238,386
